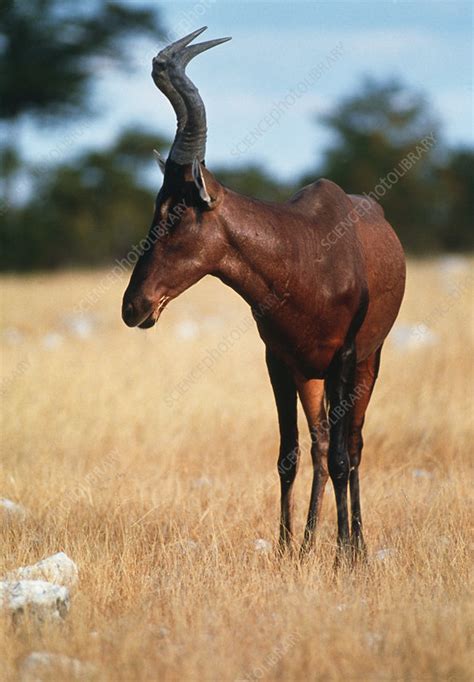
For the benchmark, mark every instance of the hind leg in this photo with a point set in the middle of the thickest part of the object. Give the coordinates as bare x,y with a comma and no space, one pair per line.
339,385
365,378
311,393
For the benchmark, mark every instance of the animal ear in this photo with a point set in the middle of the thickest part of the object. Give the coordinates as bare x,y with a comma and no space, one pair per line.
160,160
200,183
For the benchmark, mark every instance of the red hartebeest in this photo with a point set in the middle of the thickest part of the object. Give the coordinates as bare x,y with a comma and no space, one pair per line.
324,274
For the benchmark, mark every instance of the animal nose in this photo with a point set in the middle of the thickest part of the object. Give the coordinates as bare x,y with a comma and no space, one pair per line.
128,314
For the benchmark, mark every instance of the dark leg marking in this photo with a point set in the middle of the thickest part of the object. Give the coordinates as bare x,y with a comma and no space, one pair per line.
366,376
340,384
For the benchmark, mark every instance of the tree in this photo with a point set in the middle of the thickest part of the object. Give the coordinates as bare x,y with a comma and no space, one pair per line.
254,182
48,57
49,48
456,201
86,212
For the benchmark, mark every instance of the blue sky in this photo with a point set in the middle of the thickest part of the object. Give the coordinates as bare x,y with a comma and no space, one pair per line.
275,45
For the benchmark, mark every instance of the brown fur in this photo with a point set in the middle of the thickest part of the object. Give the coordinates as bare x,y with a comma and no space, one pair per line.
324,274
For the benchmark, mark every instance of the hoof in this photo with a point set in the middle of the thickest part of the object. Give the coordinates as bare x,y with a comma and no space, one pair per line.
358,550
343,558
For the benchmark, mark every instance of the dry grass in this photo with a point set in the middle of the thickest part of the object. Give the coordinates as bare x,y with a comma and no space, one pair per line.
122,474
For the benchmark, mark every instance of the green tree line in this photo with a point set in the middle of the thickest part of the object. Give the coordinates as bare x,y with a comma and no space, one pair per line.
88,210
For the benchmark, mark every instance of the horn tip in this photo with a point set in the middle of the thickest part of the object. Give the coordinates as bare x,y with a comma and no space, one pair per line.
198,31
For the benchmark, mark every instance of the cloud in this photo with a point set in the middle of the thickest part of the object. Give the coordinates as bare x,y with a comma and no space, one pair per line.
242,79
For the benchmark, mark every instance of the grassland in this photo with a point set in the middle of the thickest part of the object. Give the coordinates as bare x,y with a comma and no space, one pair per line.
155,470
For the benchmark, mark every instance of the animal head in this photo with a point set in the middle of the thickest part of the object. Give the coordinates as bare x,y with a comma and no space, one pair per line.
183,243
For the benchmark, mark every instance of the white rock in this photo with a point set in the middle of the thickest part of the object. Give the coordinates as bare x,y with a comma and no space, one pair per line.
52,340
11,510
413,336
385,554
13,336
189,546
81,326
421,473
58,569
373,639
453,265
37,598
187,330
262,546
202,482
159,631
41,666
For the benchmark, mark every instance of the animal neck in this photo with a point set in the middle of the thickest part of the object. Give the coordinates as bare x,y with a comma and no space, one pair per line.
256,252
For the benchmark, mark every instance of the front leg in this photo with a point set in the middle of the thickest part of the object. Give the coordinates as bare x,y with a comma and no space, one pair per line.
284,389
311,393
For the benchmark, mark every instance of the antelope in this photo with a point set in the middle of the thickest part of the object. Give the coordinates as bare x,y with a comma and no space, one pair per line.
328,261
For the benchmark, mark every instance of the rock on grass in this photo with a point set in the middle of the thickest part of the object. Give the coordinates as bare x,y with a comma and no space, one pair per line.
11,511
36,599
42,666
58,569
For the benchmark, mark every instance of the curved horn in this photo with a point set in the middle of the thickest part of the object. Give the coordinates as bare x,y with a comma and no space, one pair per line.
169,75
162,81
193,139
